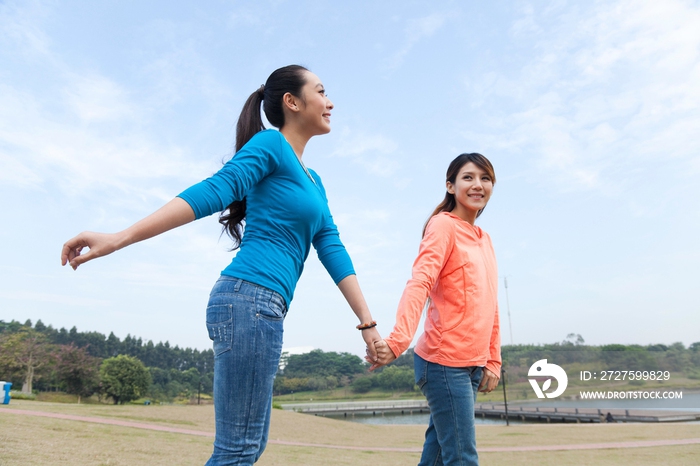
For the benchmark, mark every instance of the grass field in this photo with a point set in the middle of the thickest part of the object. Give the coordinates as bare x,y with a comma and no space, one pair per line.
31,440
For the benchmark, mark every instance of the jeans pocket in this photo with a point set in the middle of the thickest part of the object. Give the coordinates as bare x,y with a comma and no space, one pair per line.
220,327
274,310
420,370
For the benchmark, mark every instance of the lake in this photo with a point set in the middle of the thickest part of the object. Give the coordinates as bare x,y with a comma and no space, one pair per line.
407,419
690,402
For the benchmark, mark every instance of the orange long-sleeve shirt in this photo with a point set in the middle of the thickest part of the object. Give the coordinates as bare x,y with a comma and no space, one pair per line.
456,268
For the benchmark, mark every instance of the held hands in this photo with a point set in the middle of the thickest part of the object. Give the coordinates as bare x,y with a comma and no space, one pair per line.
370,336
489,381
383,352
100,244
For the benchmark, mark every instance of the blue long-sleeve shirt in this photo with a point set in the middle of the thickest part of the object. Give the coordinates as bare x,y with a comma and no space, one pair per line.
287,210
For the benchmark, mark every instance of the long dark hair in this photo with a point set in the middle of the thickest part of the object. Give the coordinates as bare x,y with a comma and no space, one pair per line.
286,79
449,203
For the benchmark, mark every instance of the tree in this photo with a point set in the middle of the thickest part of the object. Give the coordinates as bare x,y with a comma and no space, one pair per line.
25,352
396,378
77,371
573,339
361,384
124,378
405,360
320,364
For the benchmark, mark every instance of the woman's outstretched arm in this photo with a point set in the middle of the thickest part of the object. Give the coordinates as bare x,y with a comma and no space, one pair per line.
350,288
172,215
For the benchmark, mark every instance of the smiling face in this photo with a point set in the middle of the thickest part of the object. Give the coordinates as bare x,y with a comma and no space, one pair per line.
315,107
472,190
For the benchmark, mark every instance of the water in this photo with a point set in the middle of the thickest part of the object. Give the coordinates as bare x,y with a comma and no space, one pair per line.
690,402
410,419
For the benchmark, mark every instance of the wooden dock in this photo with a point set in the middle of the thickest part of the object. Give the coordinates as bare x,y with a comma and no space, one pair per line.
568,414
351,408
497,411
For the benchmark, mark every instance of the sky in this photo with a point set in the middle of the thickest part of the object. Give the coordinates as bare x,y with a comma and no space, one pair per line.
589,111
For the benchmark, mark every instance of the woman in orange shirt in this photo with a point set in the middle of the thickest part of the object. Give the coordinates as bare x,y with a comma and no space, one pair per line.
458,353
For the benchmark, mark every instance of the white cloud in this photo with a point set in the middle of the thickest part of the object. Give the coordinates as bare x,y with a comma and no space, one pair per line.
526,24
73,149
606,89
96,98
20,31
374,152
13,172
79,129
415,31
244,17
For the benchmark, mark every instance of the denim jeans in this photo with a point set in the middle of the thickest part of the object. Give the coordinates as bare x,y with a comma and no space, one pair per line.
451,393
245,322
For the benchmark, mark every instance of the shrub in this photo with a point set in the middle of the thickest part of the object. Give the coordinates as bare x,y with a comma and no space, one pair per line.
361,385
124,378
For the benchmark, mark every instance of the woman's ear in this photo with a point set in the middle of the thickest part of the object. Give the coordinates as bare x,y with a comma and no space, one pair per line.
290,102
450,187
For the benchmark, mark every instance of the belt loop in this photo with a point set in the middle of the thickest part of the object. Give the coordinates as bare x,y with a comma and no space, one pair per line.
237,286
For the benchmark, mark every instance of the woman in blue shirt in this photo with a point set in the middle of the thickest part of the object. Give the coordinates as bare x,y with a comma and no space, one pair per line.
285,210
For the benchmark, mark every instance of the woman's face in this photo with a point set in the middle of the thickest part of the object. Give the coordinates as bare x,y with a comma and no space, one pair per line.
472,190
315,109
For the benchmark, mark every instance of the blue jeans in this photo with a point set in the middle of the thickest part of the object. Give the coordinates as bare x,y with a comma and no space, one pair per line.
245,322
451,393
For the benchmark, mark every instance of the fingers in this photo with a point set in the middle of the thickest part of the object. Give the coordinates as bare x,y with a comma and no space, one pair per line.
371,336
488,383
371,355
372,360
99,245
374,366
383,354
380,346
79,258
75,256
70,254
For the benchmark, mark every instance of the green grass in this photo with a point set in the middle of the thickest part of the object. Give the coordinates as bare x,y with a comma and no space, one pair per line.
33,441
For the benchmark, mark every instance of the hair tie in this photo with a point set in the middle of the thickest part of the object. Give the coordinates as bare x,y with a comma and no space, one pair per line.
261,91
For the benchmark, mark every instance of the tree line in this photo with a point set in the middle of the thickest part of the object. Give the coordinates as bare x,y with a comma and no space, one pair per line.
38,357
574,355
319,370
41,358
160,355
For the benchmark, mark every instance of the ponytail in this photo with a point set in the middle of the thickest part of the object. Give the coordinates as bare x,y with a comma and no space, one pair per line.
287,79
249,123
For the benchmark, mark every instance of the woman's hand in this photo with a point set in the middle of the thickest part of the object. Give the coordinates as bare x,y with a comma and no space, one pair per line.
384,355
100,244
489,381
371,336
172,215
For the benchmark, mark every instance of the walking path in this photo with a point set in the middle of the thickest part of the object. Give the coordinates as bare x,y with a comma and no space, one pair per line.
139,425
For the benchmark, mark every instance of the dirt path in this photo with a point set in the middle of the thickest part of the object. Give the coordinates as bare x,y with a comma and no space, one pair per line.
581,446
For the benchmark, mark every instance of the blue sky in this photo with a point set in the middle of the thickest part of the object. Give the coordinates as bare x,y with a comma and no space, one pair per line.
589,112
